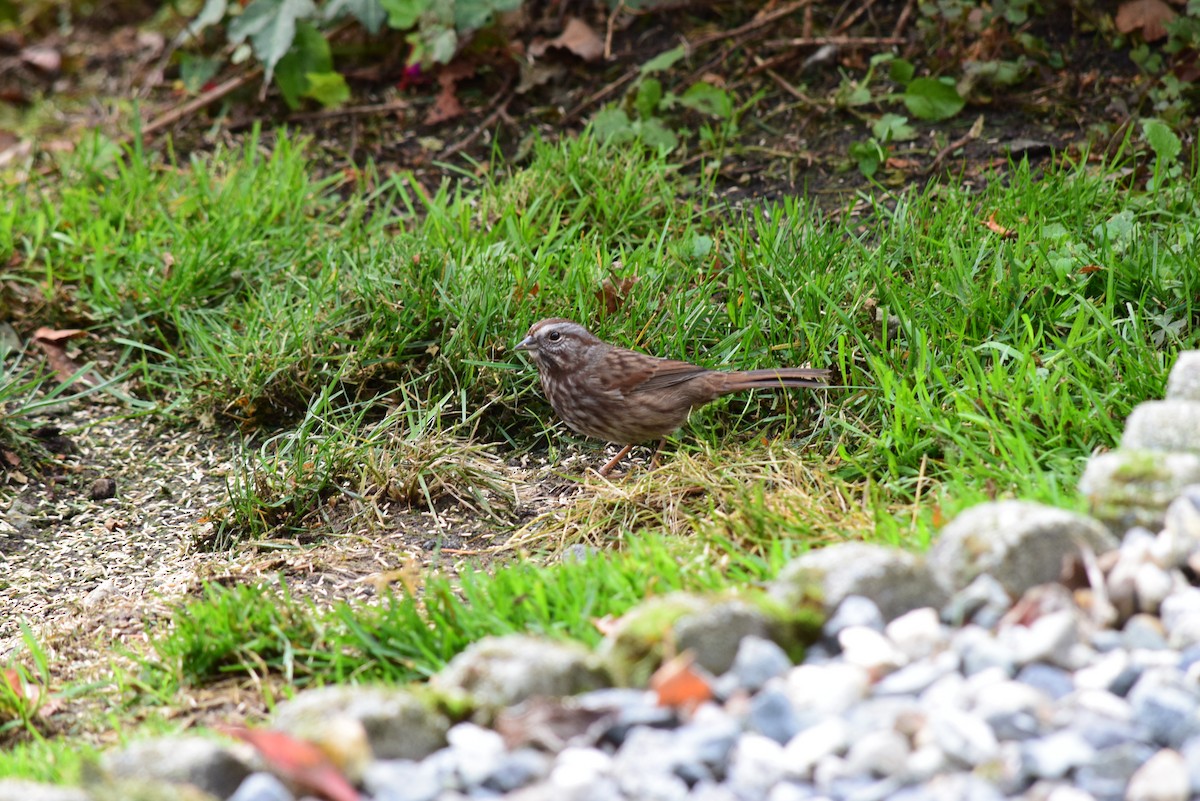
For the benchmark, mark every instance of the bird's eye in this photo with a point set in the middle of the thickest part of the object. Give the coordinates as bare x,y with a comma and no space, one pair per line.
554,336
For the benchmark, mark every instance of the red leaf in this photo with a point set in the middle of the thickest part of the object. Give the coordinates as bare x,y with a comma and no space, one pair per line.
299,762
677,684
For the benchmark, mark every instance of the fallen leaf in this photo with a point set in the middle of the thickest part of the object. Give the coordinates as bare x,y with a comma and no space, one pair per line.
10,458
677,683
1089,269
49,340
614,291
45,59
446,105
297,761
520,293
605,625
996,228
577,36
1150,16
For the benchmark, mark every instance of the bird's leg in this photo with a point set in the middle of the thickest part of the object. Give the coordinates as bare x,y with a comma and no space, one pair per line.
604,471
657,453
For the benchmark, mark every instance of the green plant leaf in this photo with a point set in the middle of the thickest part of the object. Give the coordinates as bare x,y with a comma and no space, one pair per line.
212,13
649,95
663,61
708,99
196,71
309,55
901,71
370,13
655,134
869,155
1162,139
471,15
271,26
327,88
612,125
403,14
930,99
443,45
893,128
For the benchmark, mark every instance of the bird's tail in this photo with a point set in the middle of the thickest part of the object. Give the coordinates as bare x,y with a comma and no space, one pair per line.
774,379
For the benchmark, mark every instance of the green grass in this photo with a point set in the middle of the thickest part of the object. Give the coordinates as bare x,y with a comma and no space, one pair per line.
360,337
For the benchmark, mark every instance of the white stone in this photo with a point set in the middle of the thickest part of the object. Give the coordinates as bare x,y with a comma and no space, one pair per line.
917,633
810,746
831,687
869,649
1164,777
963,736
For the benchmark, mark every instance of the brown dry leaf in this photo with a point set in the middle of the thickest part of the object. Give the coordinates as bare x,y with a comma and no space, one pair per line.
446,105
10,458
677,683
45,59
577,36
520,293
546,723
297,761
996,228
614,291
897,163
1150,16
49,340
1089,269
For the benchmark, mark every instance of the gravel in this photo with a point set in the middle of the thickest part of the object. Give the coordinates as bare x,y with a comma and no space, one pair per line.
1011,680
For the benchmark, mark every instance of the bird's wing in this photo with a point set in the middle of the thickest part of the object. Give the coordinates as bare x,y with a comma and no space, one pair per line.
628,372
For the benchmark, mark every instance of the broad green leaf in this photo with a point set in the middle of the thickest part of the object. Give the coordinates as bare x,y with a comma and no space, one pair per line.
1162,139
930,99
708,99
656,135
868,155
901,71
403,14
663,61
443,45
212,13
649,95
327,88
471,15
272,27
369,12
309,54
195,71
8,11
893,128
612,125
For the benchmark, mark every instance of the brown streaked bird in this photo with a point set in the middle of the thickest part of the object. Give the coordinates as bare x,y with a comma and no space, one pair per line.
626,397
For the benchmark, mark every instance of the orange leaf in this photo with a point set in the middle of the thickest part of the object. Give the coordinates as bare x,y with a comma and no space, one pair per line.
1089,269
677,683
1151,16
297,761
996,228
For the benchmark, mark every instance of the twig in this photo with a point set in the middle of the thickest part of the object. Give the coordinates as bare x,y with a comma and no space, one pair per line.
752,25
350,111
858,12
600,94
782,83
192,106
503,98
841,41
973,133
902,22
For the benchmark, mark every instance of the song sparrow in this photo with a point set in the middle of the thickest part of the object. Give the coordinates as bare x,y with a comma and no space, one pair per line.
627,397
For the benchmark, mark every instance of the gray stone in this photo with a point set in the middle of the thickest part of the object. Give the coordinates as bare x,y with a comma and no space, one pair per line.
804,751
398,723
963,736
1184,381
1180,615
1164,777
518,769
262,787
896,580
854,610
1129,487
1053,756
501,671
401,780
757,763
1169,714
21,790
883,752
1191,756
915,678
1144,632
1166,425
1107,776
982,602
758,661
197,761
918,633
980,651
771,714
714,634
1019,543
1053,681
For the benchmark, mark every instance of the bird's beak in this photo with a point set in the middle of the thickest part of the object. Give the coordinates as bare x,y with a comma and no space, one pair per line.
524,344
